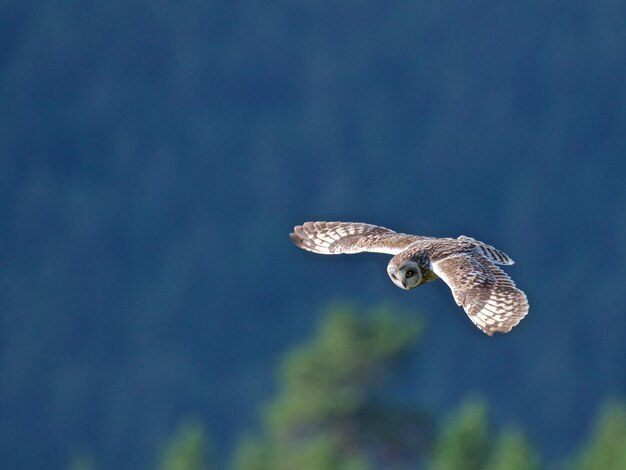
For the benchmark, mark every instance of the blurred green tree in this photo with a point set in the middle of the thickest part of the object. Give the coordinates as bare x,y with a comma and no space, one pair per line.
188,448
464,440
607,443
465,443
252,454
513,451
328,413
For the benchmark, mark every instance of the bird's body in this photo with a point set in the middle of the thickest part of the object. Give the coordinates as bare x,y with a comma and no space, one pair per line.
468,266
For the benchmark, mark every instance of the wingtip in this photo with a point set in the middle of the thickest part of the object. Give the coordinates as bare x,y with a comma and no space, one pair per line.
295,238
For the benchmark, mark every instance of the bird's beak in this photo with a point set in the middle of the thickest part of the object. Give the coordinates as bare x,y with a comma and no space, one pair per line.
397,280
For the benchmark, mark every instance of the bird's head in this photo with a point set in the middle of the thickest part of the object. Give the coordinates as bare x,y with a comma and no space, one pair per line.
405,274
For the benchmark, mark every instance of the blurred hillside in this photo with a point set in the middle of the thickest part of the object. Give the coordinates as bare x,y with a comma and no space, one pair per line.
155,155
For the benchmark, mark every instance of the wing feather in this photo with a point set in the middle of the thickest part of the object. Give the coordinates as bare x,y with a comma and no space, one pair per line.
333,238
487,294
492,254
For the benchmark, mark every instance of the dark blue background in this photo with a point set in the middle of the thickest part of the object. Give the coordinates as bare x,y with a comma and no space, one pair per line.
155,155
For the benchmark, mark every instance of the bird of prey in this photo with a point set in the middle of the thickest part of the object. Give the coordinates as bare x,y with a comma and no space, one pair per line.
468,266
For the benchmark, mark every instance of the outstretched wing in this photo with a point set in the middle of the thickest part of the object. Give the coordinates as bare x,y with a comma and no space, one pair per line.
487,294
333,238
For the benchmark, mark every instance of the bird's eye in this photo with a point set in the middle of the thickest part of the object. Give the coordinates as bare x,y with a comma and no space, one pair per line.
409,273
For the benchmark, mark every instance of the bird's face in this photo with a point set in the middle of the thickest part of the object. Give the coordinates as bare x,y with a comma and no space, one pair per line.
406,276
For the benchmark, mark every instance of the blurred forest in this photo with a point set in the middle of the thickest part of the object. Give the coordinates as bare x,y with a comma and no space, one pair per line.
155,155
336,409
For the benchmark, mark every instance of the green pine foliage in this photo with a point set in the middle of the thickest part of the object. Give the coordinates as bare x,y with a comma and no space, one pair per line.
513,451
252,454
607,443
188,449
464,440
327,413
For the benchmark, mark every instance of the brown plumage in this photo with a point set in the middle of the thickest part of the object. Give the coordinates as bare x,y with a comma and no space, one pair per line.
468,266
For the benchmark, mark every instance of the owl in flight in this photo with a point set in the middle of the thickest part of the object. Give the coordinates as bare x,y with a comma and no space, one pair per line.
468,266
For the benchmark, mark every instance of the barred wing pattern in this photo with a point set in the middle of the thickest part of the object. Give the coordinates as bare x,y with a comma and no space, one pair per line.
492,254
333,238
487,294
